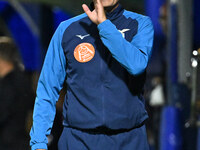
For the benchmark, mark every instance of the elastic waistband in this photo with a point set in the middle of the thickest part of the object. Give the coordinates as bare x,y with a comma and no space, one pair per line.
107,131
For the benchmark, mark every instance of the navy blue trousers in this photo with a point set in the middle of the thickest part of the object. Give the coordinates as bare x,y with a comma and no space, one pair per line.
73,139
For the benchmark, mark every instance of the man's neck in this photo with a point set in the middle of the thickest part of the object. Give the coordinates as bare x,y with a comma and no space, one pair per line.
111,8
107,9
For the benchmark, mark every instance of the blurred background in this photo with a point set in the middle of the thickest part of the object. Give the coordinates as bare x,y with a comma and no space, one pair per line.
172,89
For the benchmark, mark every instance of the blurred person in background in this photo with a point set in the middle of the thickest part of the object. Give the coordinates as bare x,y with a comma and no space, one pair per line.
156,82
15,98
102,56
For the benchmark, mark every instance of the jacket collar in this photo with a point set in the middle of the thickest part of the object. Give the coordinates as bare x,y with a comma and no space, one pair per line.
114,14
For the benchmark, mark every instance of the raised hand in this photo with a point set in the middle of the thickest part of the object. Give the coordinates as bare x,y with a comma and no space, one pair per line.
98,15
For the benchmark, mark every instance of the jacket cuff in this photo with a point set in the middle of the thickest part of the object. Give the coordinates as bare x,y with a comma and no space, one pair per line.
39,146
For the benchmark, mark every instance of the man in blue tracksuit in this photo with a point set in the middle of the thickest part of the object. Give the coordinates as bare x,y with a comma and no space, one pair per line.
102,56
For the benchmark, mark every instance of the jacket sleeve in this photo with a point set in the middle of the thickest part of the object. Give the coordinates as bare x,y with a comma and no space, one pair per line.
49,85
134,55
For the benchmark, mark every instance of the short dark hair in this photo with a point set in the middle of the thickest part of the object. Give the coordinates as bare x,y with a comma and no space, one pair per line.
9,51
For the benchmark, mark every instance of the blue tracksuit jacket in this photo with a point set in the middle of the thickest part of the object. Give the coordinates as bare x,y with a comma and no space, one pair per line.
104,68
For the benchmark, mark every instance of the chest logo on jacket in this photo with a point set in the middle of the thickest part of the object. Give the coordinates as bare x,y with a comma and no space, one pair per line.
82,36
84,52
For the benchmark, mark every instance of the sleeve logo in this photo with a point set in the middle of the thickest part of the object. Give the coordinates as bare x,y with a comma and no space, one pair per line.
84,52
123,32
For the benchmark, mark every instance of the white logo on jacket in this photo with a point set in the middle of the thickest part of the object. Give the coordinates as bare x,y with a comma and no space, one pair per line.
82,36
123,32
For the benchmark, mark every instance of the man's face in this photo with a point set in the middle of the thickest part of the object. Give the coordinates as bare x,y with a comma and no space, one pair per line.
108,3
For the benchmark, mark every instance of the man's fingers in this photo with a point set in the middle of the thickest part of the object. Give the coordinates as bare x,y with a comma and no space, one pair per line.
86,9
98,1
90,14
97,15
